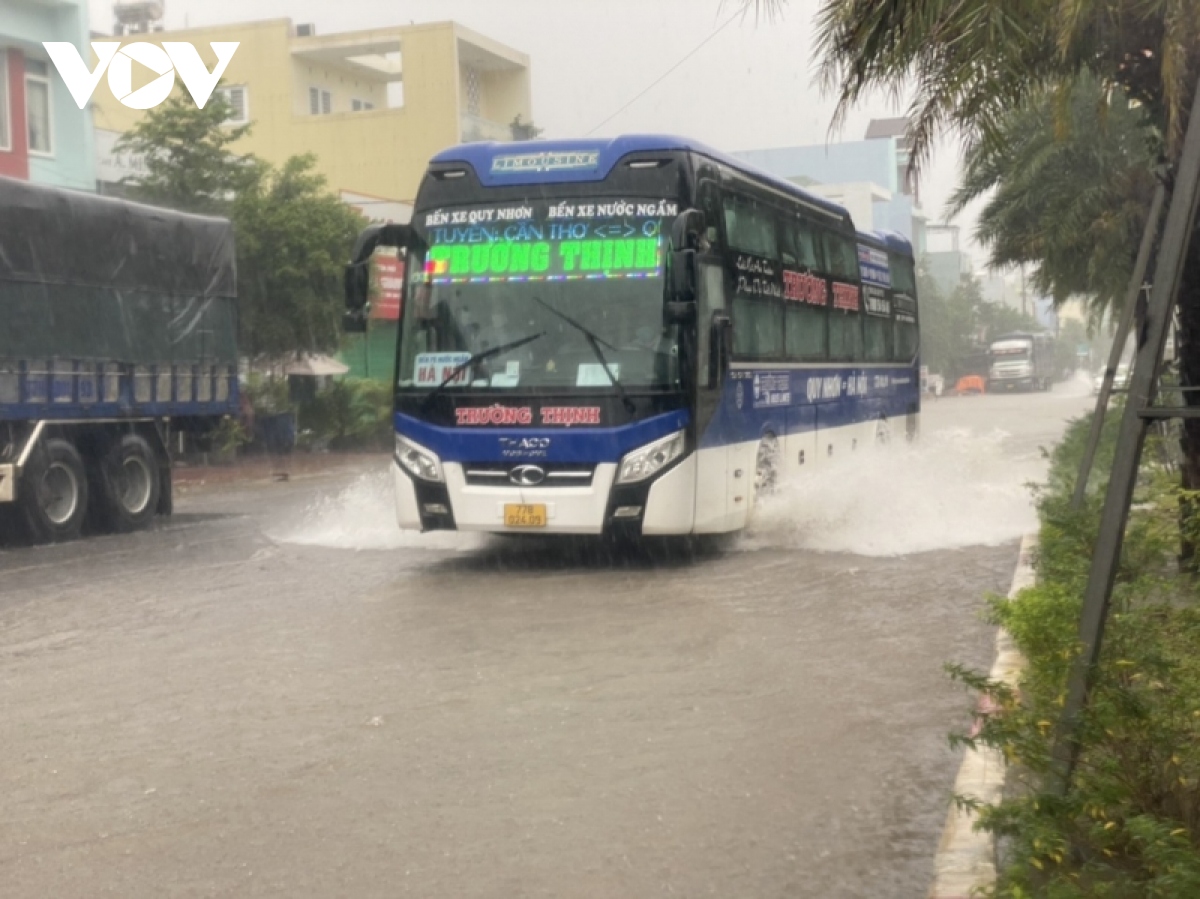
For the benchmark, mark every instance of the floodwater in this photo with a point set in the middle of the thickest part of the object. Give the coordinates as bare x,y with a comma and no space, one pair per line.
276,693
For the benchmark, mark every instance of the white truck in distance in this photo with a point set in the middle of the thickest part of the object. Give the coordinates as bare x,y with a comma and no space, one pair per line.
1021,360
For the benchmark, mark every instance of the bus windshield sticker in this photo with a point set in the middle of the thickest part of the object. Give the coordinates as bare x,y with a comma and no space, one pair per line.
510,377
874,266
772,388
591,374
537,249
432,369
845,296
523,163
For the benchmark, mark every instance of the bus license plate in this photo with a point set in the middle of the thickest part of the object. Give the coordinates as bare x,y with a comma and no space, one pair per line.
524,515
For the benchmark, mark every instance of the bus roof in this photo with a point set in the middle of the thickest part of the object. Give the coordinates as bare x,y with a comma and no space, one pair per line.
591,159
888,240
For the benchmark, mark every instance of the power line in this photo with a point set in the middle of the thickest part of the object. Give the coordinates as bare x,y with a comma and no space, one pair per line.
696,49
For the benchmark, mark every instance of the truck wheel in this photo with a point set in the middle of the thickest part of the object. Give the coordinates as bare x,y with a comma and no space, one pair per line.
54,492
128,485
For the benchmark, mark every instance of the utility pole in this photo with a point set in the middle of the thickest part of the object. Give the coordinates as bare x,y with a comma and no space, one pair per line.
1136,285
1139,413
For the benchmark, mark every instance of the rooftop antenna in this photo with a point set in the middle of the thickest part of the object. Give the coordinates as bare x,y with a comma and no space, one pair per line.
137,16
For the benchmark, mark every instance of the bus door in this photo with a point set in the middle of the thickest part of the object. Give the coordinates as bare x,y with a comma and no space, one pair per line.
712,371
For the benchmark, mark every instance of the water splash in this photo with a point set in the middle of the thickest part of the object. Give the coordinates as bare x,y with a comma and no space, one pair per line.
362,516
954,488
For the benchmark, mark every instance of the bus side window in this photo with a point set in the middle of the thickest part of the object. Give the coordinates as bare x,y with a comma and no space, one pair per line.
841,256
907,328
798,243
845,335
750,226
804,329
757,315
805,324
878,338
845,326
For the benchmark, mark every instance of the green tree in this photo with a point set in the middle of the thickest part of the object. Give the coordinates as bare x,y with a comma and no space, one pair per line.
292,239
189,162
947,327
292,234
1068,191
994,319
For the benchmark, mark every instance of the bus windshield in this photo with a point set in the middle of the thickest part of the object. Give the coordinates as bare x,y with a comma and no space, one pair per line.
574,294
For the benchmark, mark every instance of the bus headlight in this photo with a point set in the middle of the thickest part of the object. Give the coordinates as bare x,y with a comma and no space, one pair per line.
417,460
650,459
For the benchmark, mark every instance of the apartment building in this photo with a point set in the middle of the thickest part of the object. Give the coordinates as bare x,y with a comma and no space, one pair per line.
373,106
44,136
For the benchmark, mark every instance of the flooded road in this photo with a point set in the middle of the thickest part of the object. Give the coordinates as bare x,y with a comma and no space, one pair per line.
278,694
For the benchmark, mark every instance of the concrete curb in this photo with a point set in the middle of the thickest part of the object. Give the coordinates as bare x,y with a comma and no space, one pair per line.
966,859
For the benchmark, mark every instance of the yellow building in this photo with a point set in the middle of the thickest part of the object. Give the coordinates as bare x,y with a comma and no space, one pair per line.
372,106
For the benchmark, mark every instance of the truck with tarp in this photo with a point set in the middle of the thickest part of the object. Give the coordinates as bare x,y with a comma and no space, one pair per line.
118,326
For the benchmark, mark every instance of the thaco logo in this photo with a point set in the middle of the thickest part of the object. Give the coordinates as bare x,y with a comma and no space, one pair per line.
172,58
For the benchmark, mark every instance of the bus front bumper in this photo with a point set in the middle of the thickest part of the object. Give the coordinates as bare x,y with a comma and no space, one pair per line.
8,483
661,505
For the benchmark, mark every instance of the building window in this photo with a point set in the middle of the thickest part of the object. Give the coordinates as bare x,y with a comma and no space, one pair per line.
361,105
239,100
320,102
38,108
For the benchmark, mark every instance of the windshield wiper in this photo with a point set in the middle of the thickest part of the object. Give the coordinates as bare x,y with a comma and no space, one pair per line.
477,358
594,342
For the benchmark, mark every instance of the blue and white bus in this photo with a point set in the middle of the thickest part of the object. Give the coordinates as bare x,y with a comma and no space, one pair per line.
634,336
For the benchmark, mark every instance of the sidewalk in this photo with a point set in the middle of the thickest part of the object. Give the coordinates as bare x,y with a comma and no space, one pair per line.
965,864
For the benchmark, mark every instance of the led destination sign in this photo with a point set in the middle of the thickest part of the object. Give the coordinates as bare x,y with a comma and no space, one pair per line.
489,246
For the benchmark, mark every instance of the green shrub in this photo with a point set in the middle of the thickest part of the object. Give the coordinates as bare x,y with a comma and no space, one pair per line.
1130,826
351,414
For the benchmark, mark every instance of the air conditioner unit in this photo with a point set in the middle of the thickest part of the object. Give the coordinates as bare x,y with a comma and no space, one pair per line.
307,30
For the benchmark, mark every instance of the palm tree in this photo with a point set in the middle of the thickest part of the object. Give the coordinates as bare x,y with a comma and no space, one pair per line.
1068,191
966,64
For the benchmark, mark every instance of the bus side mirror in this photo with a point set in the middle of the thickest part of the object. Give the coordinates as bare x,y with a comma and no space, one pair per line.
683,277
357,286
357,276
685,230
685,237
